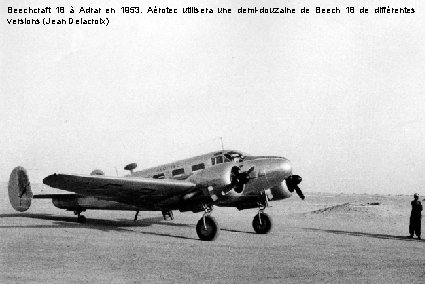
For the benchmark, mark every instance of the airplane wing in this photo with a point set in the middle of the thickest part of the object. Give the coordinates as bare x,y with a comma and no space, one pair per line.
129,190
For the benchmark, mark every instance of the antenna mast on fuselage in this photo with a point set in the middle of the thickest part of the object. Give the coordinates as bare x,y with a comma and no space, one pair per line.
221,142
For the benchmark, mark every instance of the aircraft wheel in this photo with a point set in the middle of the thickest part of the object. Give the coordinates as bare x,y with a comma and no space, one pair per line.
81,219
167,214
210,231
262,223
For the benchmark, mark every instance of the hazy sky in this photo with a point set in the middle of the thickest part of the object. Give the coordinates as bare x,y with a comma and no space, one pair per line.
342,96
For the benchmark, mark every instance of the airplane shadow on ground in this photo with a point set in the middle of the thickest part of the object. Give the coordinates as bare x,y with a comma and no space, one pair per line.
237,231
95,224
160,221
363,234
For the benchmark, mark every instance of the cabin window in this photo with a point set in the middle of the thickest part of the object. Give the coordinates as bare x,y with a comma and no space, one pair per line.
213,161
198,167
159,176
178,172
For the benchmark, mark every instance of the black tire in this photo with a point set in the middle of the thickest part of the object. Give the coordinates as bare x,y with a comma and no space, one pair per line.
210,232
263,224
81,219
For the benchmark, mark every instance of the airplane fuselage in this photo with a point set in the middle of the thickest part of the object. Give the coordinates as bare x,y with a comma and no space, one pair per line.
223,178
210,170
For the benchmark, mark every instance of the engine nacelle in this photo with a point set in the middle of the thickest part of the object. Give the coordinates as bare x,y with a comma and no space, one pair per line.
218,176
279,192
214,182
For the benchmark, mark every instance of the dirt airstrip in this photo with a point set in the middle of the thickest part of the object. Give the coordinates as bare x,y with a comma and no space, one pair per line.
337,238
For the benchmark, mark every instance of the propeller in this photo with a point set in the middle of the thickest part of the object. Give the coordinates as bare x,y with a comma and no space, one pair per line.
239,179
293,182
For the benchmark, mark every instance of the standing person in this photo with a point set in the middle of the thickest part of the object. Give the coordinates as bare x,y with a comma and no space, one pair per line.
416,217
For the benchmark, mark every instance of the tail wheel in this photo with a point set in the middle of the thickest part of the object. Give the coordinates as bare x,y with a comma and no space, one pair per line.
81,219
262,223
207,228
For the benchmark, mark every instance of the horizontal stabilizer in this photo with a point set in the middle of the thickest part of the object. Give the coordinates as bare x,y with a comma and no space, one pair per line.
58,195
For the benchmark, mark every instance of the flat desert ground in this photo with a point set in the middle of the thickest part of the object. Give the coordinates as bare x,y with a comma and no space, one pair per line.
337,238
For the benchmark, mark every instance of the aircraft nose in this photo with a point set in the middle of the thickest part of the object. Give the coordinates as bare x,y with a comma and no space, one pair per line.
279,170
285,168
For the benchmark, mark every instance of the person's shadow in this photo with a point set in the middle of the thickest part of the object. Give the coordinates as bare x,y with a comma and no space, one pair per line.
377,236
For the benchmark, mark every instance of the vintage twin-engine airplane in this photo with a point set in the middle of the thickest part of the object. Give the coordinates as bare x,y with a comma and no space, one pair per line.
223,178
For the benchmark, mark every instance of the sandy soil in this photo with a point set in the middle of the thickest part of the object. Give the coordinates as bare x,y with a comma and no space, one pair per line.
326,238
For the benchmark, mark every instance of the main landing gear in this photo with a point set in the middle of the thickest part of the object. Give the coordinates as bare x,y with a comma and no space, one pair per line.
262,223
207,227
167,214
80,218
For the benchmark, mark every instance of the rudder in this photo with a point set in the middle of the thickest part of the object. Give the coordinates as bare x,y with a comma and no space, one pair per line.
19,188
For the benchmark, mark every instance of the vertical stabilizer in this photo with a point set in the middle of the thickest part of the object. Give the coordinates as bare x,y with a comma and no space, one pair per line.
20,193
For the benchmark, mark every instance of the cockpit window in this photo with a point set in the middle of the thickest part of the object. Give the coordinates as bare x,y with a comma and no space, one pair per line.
219,160
227,157
234,156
